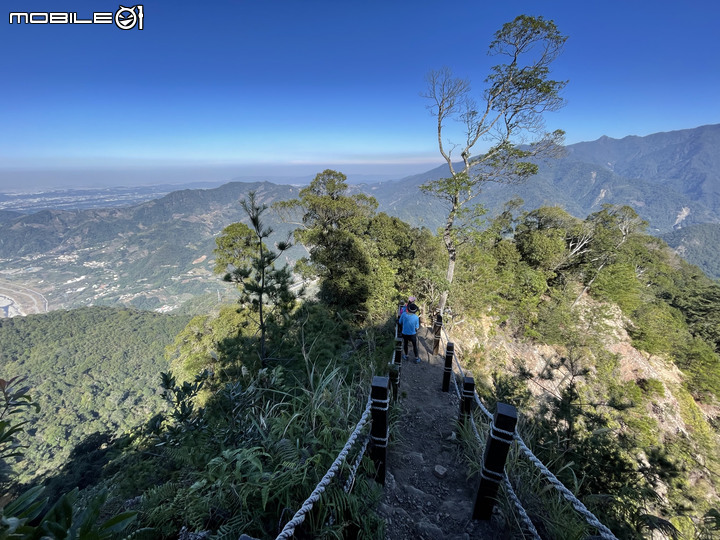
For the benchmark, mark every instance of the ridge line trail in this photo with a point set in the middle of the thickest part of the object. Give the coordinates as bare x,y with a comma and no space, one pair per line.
417,504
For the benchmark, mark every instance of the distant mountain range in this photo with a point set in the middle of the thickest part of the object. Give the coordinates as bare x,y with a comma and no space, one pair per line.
158,254
671,179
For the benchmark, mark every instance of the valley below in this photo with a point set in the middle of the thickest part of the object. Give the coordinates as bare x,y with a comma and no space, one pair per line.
17,300
100,275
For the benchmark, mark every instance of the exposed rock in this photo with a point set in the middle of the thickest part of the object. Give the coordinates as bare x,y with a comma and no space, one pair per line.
429,531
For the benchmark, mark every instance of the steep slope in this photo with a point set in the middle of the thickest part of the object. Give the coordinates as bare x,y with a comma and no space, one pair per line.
698,244
93,371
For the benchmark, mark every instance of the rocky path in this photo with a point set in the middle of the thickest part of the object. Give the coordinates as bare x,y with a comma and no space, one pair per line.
427,493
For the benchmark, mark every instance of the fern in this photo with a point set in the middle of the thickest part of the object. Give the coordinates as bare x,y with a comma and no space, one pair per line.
231,529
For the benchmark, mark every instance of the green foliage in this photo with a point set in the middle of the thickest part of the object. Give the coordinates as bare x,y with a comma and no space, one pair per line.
364,260
702,365
240,451
220,343
270,441
332,225
93,370
511,389
14,399
66,519
184,418
246,261
549,238
699,300
618,283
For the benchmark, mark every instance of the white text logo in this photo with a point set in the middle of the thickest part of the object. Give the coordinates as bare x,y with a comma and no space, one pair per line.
125,18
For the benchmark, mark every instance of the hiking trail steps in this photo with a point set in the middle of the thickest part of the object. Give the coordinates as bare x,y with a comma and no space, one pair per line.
417,503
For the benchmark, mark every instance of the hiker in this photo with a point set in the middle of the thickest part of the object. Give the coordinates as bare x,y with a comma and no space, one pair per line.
410,323
401,310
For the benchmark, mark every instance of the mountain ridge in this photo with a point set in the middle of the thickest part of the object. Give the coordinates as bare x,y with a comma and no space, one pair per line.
159,254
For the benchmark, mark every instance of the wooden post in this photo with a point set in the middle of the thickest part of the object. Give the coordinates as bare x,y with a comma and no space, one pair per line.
394,372
437,331
468,398
496,451
449,352
379,430
398,350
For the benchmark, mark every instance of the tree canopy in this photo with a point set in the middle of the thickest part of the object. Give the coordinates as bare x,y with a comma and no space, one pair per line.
508,114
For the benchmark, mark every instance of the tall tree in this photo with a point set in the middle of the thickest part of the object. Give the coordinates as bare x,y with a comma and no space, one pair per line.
332,228
243,257
611,228
509,115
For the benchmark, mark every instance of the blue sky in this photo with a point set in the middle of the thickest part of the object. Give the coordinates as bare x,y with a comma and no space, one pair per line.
292,87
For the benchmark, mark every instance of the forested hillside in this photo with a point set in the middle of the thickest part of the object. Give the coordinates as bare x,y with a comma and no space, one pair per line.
699,244
92,371
658,175
604,339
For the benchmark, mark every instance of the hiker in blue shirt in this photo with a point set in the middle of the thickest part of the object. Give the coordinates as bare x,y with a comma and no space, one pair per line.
401,310
410,323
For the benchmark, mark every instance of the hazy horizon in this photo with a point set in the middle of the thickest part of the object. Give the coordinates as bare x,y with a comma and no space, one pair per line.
17,180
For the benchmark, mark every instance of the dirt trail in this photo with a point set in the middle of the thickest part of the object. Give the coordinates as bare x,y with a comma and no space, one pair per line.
418,503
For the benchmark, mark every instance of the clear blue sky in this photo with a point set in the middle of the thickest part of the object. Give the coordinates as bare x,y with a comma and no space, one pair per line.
290,87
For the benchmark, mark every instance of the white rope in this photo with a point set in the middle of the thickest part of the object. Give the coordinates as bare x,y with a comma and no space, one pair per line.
519,507
593,521
457,389
482,407
299,516
565,492
475,429
356,465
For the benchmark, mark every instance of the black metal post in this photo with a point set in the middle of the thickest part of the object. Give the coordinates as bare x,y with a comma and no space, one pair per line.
398,350
379,430
394,373
468,398
437,331
449,352
496,451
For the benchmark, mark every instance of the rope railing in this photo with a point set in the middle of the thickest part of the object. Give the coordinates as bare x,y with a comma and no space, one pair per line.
590,518
378,405
519,507
527,522
353,470
299,516
565,492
